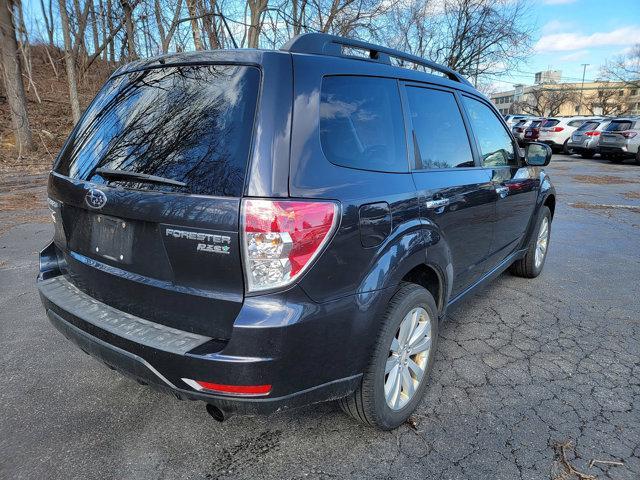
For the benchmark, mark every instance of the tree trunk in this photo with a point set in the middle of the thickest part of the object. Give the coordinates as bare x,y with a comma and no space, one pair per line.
256,8
70,63
128,20
13,79
195,28
112,49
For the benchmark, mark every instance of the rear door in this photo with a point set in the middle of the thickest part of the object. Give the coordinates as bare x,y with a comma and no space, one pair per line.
149,187
514,185
454,193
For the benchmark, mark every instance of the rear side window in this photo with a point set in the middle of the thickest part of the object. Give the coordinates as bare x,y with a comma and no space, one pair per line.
496,147
192,124
618,126
550,123
361,123
441,139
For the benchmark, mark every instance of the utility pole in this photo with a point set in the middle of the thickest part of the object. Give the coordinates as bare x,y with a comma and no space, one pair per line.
584,71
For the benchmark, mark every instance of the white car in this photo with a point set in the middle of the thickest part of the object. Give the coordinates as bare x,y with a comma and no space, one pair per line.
556,132
511,120
621,139
585,139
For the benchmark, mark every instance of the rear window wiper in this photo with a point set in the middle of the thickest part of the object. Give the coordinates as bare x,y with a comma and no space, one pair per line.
143,177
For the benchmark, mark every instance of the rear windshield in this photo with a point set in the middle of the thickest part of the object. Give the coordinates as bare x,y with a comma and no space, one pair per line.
535,123
191,124
586,126
550,123
618,126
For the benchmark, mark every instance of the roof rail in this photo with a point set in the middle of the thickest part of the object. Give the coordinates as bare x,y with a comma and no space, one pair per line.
333,45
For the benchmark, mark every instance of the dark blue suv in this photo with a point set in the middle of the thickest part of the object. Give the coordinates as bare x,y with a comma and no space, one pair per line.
267,229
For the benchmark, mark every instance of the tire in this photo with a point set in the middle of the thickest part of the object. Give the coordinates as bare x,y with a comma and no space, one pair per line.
565,148
368,403
638,157
527,266
614,159
587,154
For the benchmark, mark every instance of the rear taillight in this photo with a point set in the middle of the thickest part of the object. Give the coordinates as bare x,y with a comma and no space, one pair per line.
628,134
592,134
281,238
558,129
240,390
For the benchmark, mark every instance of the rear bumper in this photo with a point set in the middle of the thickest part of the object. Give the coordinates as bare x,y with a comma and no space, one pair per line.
615,150
308,352
142,371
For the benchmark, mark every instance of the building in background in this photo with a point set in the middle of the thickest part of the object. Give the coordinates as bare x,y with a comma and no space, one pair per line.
551,97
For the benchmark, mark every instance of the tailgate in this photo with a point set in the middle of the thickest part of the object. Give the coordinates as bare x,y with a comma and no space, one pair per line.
148,192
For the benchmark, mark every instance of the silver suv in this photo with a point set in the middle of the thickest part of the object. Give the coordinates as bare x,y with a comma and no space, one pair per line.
585,139
621,139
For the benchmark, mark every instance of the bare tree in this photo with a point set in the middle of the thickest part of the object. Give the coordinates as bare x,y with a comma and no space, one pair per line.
474,37
546,101
12,76
608,100
625,68
70,62
166,34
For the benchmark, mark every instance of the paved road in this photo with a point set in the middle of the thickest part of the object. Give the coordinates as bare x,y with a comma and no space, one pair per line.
521,367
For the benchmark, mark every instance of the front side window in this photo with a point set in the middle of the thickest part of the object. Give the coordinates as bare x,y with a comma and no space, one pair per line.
441,139
190,124
496,147
361,123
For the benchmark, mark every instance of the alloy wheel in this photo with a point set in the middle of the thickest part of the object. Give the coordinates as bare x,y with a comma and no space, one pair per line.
408,358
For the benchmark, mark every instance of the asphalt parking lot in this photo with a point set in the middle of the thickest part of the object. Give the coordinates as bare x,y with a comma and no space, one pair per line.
534,379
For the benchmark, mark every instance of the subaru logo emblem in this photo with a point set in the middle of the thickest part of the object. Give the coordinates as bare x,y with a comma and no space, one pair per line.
95,198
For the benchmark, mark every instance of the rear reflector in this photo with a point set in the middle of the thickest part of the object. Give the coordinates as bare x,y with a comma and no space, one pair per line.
281,238
247,390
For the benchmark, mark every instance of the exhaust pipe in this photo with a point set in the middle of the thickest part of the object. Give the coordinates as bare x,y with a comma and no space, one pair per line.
217,414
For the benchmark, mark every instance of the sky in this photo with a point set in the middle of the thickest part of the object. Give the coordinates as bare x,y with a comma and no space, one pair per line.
569,33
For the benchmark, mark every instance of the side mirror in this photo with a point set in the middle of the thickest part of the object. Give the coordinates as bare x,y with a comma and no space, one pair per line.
537,154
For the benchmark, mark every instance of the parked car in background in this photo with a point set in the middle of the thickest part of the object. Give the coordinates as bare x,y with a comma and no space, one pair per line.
511,120
556,132
206,244
532,132
621,139
584,141
520,128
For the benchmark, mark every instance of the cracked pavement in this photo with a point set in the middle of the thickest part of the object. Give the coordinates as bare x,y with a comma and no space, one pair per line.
521,366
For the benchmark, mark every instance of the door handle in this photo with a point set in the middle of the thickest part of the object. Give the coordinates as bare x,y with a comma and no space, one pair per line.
502,191
438,204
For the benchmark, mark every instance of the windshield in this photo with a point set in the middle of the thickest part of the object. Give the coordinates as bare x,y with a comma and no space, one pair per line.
191,124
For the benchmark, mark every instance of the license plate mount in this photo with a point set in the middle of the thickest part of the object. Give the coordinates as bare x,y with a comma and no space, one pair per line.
112,238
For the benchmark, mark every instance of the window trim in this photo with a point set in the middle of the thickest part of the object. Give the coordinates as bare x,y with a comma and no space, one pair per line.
410,132
404,123
514,143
